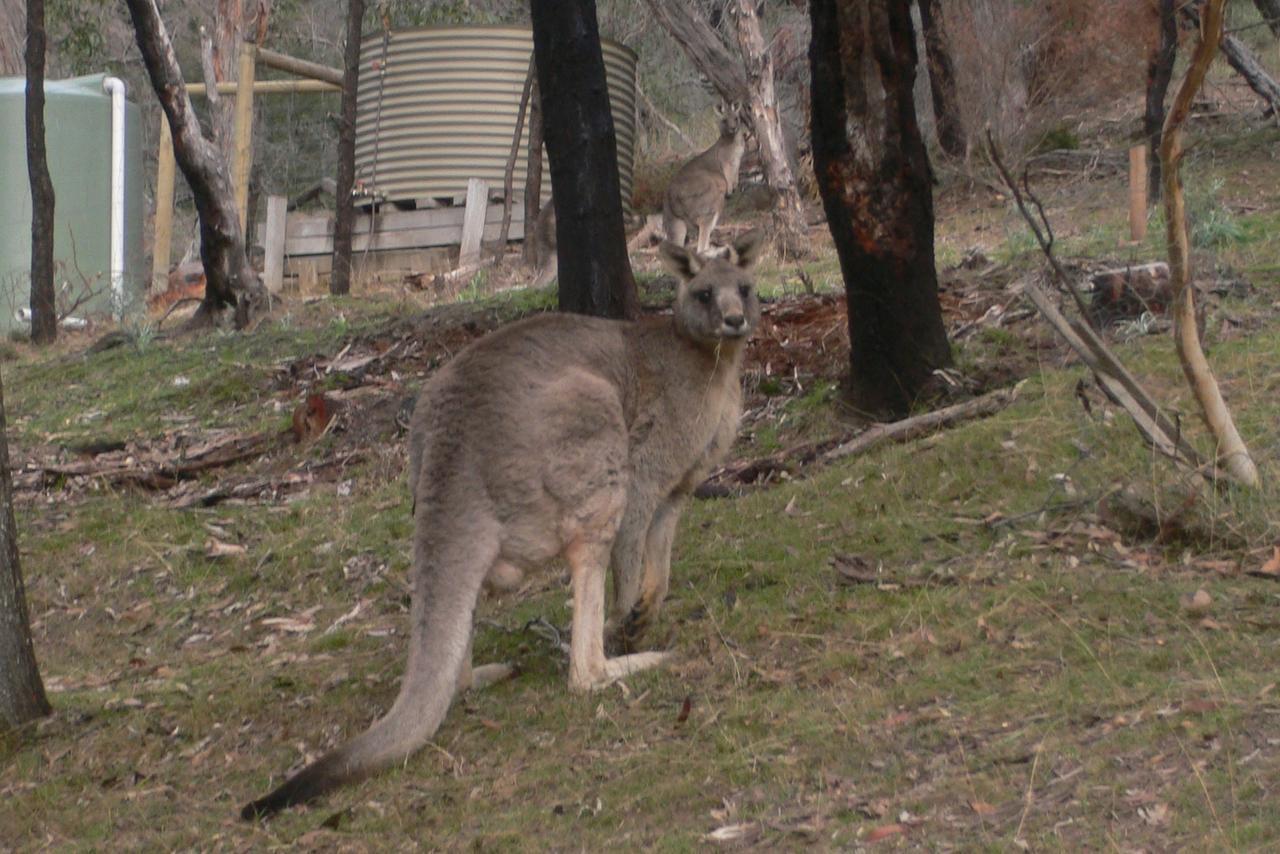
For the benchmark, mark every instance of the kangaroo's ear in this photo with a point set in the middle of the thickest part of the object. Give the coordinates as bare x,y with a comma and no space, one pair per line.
679,261
748,248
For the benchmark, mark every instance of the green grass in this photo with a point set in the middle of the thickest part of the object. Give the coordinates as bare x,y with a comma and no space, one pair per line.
1019,676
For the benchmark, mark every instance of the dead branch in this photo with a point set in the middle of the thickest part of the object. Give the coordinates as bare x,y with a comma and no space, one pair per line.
653,110
508,179
1232,453
1163,432
920,425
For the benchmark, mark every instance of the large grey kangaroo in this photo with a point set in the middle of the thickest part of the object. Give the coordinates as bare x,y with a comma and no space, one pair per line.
695,196
557,436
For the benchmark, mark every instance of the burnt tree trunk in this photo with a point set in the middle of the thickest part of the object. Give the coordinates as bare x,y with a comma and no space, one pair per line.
230,281
942,81
44,314
790,229
22,697
344,219
878,200
594,271
1159,73
1270,11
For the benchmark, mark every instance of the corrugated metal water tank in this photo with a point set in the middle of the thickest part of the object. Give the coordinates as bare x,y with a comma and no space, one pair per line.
444,110
77,116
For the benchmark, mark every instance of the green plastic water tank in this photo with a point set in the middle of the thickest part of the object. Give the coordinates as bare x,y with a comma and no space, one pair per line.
77,116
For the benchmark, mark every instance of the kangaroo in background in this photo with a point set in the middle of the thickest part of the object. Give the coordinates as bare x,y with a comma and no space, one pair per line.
557,436
544,241
695,197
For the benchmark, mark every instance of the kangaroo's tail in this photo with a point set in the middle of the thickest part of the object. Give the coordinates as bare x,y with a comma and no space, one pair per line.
444,601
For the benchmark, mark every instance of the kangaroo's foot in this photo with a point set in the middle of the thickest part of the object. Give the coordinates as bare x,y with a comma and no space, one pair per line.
606,671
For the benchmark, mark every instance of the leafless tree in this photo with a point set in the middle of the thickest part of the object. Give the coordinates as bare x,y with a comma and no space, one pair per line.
878,196
744,76
230,281
44,314
1159,73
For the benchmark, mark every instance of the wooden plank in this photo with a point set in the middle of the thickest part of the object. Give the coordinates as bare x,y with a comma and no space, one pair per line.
273,259
321,244
242,160
1138,193
163,233
267,87
301,67
473,221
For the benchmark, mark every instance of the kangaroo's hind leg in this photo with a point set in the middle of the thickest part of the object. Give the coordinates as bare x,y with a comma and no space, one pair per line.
588,667
656,573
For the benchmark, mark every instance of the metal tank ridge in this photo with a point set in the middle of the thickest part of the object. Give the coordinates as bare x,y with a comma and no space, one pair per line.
444,110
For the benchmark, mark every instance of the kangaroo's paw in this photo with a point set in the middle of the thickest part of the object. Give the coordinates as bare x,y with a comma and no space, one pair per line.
610,670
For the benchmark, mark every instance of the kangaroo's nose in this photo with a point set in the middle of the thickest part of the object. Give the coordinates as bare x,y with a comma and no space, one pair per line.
735,321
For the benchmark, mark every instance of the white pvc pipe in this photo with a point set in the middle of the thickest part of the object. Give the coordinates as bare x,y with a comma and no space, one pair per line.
114,86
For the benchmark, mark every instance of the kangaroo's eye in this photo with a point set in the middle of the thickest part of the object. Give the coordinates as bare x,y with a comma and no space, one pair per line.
744,291
703,297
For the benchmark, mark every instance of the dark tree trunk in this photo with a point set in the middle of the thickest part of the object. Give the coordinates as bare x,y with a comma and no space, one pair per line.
594,271
344,222
22,696
1159,73
230,281
1270,11
44,314
878,200
942,81
533,175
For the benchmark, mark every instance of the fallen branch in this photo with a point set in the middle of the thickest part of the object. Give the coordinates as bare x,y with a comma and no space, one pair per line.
921,425
828,450
1161,431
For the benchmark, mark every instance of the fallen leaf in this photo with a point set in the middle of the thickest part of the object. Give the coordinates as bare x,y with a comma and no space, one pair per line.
732,832
1196,604
884,831
1270,569
982,808
1155,815
215,548
685,708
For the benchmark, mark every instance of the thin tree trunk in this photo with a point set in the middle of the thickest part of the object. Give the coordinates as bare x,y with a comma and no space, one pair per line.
942,81
533,173
230,281
879,203
509,178
228,33
344,221
44,314
789,226
22,697
594,271
1159,73
1270,11
1232,453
